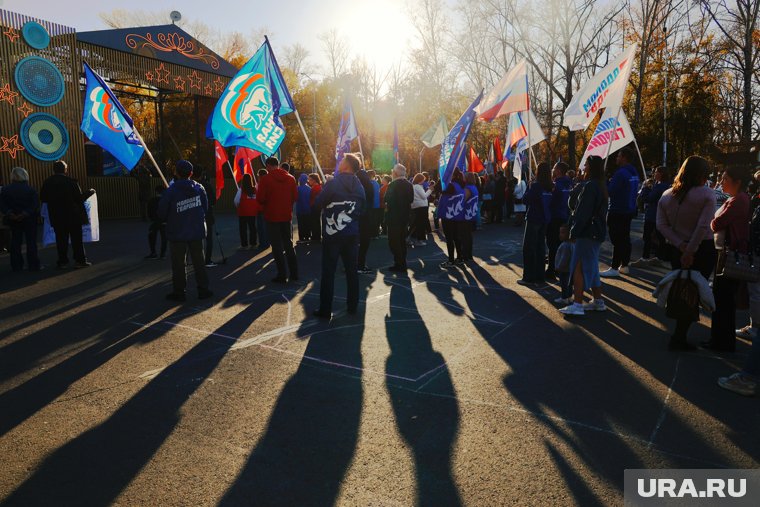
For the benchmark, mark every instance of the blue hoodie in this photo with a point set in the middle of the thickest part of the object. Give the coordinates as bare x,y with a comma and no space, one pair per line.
342,202
560,196
183,207
650,197
538,201
303,206
376,186
623,189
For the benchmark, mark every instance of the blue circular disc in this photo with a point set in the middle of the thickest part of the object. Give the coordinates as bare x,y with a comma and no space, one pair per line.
44,136
35,35
39,81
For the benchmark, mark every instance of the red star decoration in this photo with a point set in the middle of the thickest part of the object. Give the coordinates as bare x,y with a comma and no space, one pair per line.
7,95
179,82
195,80
25,109
162,74
218,85
209,90
149,76
12,34
11,145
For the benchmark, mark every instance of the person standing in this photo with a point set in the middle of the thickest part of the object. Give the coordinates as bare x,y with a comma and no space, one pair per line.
732,219
20,206
342,201
201,177
157,227
683,217
538,199
499,196
303,209
383,189
376,211
261,225
650,196
398,202
183,207
247,211
65,203
450,210
315,219
418,230
623,189
588,230
365,221
471,213
560,212
277,194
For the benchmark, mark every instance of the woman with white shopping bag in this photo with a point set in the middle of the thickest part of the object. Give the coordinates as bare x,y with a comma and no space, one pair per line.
684,214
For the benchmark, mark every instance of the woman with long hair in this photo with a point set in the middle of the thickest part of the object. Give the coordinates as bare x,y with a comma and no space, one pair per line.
684,213
732,220
537,199
588,229
247,210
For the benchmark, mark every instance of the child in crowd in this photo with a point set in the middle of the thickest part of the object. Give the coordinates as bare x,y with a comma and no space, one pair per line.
562,266
156,227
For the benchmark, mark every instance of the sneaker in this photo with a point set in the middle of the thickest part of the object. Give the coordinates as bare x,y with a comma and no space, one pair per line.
243,247
321,315
657,263
447,264
640,262
625,270
211,264
459,262
747,332
80,265
573,309
596,305
365,271
610,273
279,279
151,256
525,283
739,383
563,301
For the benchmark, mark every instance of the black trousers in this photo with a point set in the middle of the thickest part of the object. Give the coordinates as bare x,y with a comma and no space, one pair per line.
179,251
420,223
704,262
25,231
552,242
155,230
316,225
247,228
464,233
377,220
397,244
619,225
534,252
723,330
365,237
280,237
453,244
209,239
304,227
65,232
498,211
345,248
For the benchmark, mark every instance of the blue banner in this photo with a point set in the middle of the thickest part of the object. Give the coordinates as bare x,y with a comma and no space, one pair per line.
453,148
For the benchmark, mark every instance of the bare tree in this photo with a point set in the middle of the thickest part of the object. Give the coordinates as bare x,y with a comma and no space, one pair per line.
337,52
431,59
295,57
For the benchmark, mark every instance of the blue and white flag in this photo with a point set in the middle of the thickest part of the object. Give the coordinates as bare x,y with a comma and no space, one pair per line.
346,133
453,148
248,112
106,123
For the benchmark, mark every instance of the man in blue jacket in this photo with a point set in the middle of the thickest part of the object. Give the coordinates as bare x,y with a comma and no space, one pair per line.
623,188
342,202
377,211
183,207
559,211
303,209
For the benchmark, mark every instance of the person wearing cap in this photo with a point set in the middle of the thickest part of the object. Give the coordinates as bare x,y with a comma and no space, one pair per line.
183,207
277,194
343,203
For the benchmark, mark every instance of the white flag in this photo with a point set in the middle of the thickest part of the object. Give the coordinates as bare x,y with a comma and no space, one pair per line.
599,144
510,94
605,90
435,134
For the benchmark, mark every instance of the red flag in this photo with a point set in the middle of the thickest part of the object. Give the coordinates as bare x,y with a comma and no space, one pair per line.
221,158
498,154
474,165
244,162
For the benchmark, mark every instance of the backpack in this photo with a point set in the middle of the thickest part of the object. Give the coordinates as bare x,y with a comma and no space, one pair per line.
683,299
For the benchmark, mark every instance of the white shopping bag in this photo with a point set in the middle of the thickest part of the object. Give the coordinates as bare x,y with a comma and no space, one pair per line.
90,233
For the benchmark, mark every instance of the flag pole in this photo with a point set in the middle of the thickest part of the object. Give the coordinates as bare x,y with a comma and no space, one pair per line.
609,145
641,159
150,156
314,155
361,152
420,166
233,175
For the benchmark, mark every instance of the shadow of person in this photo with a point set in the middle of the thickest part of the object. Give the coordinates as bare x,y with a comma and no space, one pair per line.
429,424
313,430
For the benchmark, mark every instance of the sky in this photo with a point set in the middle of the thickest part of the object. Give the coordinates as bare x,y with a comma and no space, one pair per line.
378,29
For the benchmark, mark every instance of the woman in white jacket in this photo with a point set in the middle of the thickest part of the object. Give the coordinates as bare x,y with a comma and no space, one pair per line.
418,230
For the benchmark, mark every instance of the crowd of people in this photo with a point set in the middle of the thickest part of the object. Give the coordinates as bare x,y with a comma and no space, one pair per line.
693,225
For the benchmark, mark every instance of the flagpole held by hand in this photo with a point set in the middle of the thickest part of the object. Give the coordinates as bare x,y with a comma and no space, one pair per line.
150,156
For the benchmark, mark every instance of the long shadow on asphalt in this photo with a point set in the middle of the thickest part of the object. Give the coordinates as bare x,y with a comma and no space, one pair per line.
96,466
312,432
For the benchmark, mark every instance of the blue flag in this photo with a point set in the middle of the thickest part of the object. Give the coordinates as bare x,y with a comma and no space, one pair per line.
347,132
106,123
248,112
453,148
395,142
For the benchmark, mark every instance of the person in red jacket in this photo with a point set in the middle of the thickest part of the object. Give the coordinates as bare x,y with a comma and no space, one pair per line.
247,209
277,193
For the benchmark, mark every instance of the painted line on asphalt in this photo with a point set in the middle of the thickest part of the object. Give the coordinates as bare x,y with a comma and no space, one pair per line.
664,409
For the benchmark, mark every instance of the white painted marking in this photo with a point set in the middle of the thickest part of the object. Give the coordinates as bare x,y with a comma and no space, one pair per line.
664,409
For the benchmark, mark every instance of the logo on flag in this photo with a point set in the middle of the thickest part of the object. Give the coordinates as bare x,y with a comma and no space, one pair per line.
623,135
453,148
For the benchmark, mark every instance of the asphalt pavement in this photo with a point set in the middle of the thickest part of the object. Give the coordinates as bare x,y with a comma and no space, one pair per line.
449,387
